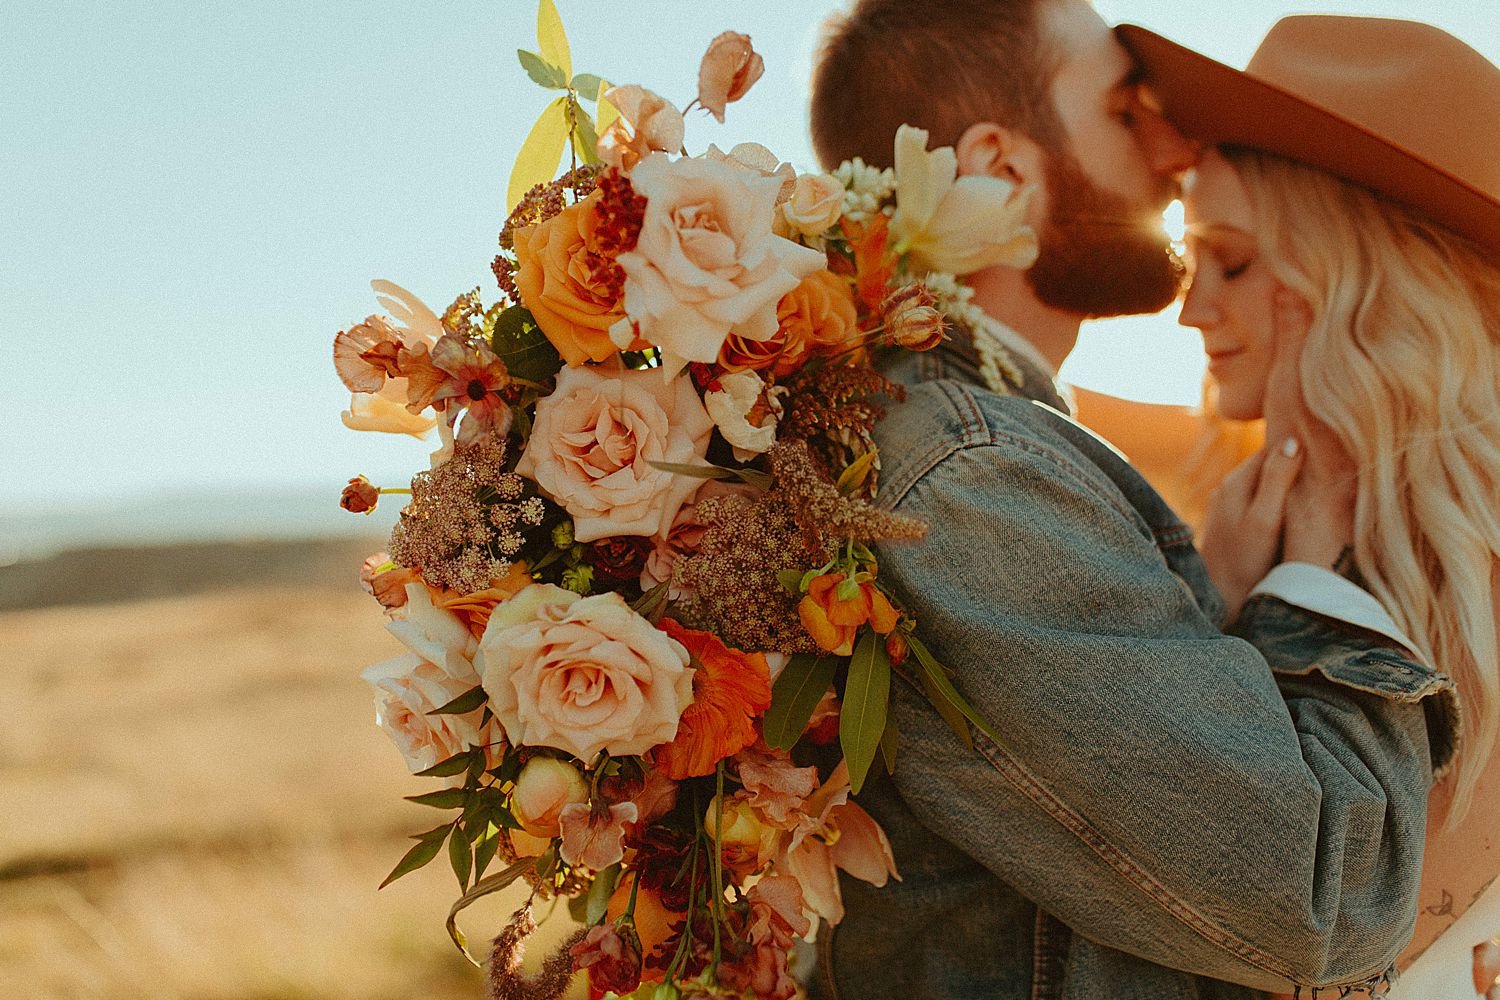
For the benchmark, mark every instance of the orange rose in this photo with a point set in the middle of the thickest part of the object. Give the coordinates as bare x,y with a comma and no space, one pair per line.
474,609
833,622
562,278
817,317
730,689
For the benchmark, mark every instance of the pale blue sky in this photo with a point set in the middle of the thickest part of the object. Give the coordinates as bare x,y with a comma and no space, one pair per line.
194,197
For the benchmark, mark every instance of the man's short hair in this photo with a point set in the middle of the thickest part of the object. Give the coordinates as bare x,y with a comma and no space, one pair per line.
941,65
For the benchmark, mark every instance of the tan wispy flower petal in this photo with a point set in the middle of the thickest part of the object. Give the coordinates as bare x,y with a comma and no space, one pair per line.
655,125
729,68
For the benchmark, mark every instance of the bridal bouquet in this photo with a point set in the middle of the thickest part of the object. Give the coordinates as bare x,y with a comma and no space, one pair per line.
650,651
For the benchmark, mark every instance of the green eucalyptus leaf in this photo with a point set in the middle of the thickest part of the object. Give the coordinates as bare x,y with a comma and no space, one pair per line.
524,348
443,798
798,689
585,138
542,72
867,694
469,701
587,85
419,855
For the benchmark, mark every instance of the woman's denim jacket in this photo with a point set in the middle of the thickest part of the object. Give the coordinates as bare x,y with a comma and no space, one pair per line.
1174,811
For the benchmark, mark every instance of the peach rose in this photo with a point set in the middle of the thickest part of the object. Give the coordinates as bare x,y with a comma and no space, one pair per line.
407,688
729,68
544,787
707,262
561,280
582,674
595,437
817,202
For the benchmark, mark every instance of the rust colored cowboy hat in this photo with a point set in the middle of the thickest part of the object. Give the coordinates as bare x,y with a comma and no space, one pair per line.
1399,107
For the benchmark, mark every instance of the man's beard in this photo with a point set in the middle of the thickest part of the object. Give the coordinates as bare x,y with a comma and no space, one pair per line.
1099,254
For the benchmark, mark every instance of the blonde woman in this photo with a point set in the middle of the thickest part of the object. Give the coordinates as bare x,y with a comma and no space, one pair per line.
1345,233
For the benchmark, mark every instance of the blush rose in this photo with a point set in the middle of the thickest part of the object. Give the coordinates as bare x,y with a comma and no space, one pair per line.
706,262
595,437
582,674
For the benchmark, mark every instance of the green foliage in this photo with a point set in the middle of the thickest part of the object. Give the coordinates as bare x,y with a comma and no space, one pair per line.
542,72
795,695
867,695
936,681
526,351
460,857
760,480
427,847
443,798
470,701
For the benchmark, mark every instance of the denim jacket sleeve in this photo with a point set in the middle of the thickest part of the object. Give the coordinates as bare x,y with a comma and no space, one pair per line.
1246,807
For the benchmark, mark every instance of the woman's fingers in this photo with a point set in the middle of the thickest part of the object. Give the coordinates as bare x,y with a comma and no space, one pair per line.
1487,969
1284,406
1277,474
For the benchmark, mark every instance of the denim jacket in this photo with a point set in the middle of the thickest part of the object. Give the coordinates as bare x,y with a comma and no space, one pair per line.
1174,812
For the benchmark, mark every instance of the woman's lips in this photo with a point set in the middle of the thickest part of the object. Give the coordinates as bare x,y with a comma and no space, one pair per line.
1218,359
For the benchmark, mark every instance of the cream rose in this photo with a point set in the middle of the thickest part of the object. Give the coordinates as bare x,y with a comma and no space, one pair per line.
730,406
595,437
817,202
407,688
707,262
582,674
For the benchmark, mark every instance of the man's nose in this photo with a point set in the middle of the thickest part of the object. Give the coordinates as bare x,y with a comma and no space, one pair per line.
1168,152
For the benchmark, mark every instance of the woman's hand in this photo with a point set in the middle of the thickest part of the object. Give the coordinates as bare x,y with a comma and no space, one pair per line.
1319,523
1241,536
1487,969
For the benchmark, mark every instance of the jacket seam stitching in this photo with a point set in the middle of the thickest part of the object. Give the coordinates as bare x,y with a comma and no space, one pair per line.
1117,859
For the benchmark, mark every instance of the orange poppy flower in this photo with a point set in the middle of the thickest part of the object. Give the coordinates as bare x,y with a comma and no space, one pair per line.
730,690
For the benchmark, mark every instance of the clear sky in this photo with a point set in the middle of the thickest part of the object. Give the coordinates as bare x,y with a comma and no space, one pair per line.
194,197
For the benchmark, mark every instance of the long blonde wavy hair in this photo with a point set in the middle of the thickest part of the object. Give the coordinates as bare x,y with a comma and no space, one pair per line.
1403,364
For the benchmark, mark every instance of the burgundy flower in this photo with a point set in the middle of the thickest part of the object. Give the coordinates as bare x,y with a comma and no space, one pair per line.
612,955
619,559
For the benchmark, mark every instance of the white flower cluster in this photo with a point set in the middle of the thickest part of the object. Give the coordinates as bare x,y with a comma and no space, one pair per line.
866,188
992,340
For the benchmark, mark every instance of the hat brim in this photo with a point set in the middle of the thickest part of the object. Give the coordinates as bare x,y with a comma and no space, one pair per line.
1214,103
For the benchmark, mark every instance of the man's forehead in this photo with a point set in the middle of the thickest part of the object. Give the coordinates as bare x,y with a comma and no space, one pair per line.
1087,51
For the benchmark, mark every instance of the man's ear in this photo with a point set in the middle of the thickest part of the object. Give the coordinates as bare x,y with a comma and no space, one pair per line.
990,150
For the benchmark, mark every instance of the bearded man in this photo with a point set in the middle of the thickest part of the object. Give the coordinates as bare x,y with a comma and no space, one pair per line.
1174,812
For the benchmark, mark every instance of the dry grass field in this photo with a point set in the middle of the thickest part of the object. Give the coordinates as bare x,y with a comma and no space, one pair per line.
198,806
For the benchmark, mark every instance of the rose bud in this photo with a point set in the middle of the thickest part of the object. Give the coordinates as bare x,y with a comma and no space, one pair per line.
360,496
896,647
729,68
817,202
912,319
544,787
747,844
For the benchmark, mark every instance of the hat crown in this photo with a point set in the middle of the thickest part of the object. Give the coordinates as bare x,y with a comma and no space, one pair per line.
1412,84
